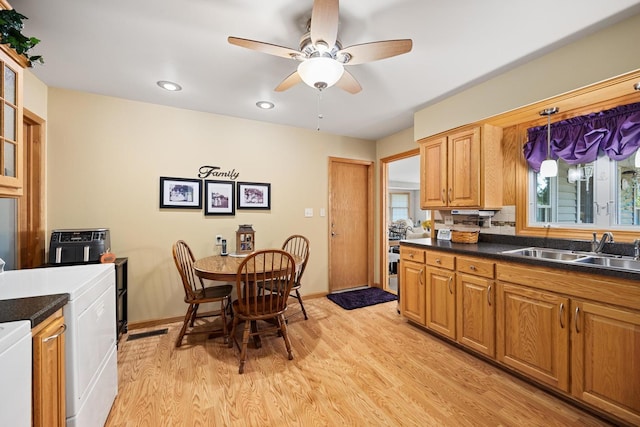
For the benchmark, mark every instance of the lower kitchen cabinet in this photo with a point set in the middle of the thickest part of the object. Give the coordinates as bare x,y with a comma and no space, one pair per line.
533,333
412,285
441,301
48,406
475,316
605,358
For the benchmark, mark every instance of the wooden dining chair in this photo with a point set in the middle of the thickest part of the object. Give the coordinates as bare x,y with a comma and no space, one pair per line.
298,245
196,293
274,270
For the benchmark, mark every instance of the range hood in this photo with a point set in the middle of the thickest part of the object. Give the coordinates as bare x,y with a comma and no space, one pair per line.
473,212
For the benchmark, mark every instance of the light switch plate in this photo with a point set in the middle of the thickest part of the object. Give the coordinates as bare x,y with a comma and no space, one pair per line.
308,212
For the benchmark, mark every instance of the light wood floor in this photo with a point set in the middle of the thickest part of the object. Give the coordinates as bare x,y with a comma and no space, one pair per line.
360,367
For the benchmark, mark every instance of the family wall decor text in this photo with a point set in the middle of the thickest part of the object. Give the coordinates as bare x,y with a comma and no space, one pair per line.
214,171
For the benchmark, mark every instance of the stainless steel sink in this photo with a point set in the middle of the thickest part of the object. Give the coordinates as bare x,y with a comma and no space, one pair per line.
546,253
620,263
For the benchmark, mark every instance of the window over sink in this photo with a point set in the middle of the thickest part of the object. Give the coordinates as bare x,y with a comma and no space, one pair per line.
601,194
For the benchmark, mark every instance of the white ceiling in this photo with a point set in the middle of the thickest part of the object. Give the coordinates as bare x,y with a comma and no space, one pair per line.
122,48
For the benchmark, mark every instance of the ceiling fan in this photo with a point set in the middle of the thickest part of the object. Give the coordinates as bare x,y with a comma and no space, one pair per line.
321,55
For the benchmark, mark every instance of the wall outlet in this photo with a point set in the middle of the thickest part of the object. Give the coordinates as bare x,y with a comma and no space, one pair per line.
448,220
218,239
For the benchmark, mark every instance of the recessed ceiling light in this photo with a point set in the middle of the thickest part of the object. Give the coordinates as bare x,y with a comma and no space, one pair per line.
171,86
265,105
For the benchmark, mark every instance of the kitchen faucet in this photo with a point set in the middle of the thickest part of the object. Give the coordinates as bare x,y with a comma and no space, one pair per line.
597,246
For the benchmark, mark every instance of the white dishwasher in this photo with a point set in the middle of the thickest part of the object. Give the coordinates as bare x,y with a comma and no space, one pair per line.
15,374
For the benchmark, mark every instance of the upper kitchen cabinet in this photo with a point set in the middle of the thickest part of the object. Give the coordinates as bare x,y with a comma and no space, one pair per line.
462,169
11,179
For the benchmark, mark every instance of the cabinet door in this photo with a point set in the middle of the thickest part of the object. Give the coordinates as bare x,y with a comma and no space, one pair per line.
532,333
475,313
441,301
605,358
412,291
48,374
433,173
11,179
463,175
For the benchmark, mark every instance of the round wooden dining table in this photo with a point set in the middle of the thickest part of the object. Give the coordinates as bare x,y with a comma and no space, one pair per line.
224,268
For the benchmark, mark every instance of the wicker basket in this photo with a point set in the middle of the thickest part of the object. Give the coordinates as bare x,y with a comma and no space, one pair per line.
464,236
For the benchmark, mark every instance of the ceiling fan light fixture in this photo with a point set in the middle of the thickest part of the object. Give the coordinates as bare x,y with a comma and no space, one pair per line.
320,72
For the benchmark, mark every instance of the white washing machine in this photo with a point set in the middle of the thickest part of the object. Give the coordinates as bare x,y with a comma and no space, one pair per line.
15,372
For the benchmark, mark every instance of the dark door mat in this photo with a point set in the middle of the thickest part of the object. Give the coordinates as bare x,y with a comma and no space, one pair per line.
132,337
361,298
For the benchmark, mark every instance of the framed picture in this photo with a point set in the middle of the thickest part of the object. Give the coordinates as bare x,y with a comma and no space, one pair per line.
180,193
219,197
254,195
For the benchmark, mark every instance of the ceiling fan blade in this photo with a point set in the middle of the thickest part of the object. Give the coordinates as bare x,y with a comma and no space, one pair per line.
291,80
349,83
368,52
324,22
271,49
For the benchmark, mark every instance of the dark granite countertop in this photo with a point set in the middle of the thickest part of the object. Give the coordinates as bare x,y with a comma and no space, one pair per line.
34,309
493,246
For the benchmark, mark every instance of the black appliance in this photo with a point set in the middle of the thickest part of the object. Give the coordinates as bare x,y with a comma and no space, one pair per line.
78,245
85,246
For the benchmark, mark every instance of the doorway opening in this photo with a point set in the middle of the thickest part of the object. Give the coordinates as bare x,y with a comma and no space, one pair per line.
401,215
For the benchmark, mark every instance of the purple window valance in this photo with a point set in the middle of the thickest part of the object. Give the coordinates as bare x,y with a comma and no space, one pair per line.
615,132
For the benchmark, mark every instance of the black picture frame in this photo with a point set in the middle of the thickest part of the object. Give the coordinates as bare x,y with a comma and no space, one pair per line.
219,197
253,195
180,193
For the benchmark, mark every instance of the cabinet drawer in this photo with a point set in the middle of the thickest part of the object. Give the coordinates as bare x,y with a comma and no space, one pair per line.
477,267
441,259
411,254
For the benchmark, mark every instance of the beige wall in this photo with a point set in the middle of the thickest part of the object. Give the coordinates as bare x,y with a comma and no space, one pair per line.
105,157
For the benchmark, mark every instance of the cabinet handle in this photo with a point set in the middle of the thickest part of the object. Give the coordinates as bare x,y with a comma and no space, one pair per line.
576,319
450,280
443,199
420,278
561,314
62,328
472,267
438,261
449,195
489,295
410,255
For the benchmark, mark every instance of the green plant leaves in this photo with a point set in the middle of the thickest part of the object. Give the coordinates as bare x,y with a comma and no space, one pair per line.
11,34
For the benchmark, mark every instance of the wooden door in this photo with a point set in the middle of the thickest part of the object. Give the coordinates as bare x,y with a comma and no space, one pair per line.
533,333
412,291
605,356
441,301
475,310
463,175
350,224
32,238
433,173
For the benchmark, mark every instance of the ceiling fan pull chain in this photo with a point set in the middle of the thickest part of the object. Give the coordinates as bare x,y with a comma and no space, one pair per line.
319,113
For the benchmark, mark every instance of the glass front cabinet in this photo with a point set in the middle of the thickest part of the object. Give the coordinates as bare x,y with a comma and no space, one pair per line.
11,164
